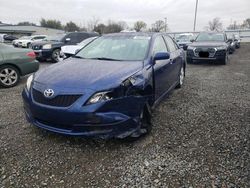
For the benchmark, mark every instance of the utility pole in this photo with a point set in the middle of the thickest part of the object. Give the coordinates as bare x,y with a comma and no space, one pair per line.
195,14
165,24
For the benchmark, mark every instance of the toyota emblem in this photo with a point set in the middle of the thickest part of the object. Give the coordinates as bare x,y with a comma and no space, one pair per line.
48,93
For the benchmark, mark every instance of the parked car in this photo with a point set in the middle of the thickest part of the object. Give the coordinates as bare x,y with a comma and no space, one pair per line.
232,40
5,38
108,89
184,40
237,41
70,50
50,48
210,47
25,41
15,63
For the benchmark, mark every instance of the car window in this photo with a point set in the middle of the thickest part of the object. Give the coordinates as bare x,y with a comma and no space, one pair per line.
210,37
159,45
124,48
171,44
39,37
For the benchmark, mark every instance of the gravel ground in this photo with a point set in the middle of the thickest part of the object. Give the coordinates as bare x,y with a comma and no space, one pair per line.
200,139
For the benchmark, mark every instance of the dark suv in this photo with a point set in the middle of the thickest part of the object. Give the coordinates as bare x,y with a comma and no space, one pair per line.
209,46
50,48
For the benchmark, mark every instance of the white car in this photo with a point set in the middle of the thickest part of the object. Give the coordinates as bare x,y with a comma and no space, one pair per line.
70,50
25,41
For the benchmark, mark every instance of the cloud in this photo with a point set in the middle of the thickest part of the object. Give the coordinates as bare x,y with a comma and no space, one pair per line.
179,13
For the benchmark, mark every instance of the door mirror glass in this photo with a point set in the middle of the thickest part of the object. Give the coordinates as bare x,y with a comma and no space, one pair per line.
161,56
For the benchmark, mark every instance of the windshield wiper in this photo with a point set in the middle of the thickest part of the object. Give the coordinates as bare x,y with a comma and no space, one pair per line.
106,59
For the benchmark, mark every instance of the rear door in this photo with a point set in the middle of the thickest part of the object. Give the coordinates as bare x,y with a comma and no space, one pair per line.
175,58
161,68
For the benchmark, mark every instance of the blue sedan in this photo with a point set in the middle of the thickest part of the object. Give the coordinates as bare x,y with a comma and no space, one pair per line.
108,89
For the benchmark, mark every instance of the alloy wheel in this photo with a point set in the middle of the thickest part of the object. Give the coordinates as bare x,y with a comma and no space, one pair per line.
182,75
8,76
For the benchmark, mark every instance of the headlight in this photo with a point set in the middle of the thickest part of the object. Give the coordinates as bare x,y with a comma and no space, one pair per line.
47,46
29,81
221,48
100,97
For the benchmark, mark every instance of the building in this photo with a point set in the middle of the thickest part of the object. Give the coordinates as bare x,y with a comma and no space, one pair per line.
19,31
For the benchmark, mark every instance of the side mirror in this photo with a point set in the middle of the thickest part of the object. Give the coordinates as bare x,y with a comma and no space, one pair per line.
177,40
161,56
229,40
191,40
67,39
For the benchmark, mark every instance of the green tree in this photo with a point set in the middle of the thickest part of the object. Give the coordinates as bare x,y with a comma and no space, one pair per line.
54,24
71,27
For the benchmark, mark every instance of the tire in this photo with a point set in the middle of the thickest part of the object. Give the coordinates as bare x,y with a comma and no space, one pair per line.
56,56
28,45
189,61
40,59
225,61
144,124
181,77
9,76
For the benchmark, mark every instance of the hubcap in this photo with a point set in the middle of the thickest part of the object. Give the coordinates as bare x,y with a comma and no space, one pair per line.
57,56
181,76
8,76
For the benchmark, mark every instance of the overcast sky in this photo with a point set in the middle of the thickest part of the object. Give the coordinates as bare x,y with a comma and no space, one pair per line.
179,13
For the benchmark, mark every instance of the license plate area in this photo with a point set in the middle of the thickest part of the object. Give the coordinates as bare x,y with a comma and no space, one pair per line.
204,54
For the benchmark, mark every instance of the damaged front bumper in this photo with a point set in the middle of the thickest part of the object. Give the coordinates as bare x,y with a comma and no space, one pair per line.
117,118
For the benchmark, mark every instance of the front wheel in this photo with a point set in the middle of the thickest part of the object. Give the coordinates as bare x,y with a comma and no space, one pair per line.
9,76
145,125
225,61
56,56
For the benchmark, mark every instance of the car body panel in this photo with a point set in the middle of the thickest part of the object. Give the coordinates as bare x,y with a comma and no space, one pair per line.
18,58
132,82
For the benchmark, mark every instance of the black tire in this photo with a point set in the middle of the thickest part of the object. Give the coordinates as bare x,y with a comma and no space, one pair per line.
55,57
181,77
40,59
145,124
226,59
9,76
28,45
189,61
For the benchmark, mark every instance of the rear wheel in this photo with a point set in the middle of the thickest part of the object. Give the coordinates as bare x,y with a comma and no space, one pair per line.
181,77
9,76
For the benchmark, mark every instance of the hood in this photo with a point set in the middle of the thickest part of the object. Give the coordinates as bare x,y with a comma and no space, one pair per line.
87,74
208,44
46,42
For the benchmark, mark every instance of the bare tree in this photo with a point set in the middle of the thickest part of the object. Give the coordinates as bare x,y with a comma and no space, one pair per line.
246,24
214,25
158,26
92,23
139,25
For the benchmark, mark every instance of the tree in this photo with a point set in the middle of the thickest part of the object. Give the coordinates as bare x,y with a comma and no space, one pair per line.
214,25
158,26
92,23
234,26
139,25
113,27
71,27
54,24
100,28
26,23
246,24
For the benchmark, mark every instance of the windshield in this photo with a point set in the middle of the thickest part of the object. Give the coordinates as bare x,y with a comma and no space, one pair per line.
86,41
25,38
121,48
184,37
56,38
210,37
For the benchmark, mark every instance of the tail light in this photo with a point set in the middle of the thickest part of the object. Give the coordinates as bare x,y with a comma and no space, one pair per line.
31,55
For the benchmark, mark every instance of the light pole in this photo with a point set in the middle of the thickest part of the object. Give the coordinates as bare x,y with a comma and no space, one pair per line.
165,25
195,14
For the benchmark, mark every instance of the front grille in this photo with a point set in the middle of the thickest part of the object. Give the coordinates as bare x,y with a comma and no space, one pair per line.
59,101
36,47
211,51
